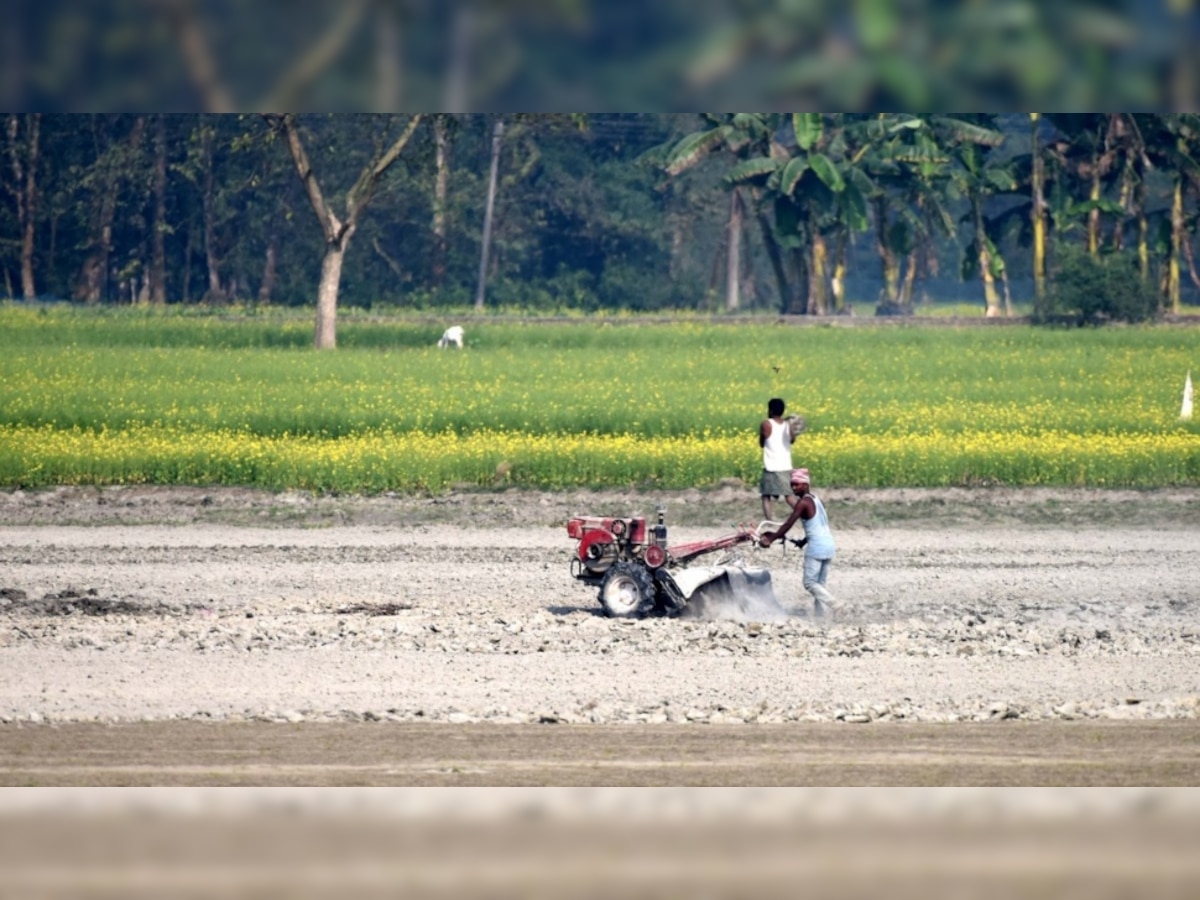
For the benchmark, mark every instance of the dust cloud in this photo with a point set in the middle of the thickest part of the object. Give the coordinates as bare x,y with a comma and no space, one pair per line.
739,595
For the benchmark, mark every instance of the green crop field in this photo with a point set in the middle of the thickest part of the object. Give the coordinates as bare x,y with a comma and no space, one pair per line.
133,396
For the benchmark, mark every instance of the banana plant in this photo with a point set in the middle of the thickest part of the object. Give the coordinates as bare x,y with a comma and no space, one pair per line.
1173,145
747,138
780,162
979,179
912,161
816,192
823,175
1086,159
815,197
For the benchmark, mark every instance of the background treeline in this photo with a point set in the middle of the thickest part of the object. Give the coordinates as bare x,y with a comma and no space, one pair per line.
805,213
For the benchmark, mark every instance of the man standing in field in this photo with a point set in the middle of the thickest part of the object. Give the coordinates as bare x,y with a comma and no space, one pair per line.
817,541
775,436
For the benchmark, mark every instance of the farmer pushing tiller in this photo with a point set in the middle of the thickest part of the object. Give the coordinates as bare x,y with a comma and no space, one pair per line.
639,574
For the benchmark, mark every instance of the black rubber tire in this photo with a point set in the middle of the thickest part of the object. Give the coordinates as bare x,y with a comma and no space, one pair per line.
628,591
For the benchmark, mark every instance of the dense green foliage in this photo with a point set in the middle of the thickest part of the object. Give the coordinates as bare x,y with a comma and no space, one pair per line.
133,397
814,212
1099,289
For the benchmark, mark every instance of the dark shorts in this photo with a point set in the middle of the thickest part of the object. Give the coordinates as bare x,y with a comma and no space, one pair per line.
776,484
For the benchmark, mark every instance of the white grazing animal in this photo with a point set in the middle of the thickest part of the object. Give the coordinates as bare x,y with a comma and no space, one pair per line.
452,335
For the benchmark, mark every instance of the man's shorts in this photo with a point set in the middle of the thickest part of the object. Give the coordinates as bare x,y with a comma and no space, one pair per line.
776,484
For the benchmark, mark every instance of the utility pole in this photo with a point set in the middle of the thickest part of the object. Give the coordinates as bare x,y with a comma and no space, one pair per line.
733,262
497,134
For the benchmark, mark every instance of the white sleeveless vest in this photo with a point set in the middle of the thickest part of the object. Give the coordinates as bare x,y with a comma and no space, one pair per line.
777,451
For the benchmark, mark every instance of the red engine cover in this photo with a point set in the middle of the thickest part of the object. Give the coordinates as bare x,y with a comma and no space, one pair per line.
595,536
632,530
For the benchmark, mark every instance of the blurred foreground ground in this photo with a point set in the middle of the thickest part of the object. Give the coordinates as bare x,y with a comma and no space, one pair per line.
576,843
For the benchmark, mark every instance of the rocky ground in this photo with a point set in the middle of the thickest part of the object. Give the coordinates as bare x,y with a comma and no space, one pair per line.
142,604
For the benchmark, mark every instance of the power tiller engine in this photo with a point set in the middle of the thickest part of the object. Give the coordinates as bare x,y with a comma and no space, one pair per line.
639,574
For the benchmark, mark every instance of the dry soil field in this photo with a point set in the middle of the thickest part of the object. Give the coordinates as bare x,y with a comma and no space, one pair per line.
193,638
229,608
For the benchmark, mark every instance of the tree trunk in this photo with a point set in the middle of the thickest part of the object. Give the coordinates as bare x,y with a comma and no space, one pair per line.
675,223
733,256
29,223
714,275
800,304
52,250
108,213
1177,238
910,275
1093,228
215,293
837,283
95,274
23,156
1126,201
888,260
497,136
125,173
990,297
1037,212
1143,226
327,293
337,233
891,277
776,259
818,268
982,247
158,251
189,251
270,261
91,279
23,153
1190,258
441,189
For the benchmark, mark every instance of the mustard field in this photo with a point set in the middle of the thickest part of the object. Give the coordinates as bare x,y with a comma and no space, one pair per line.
135,397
